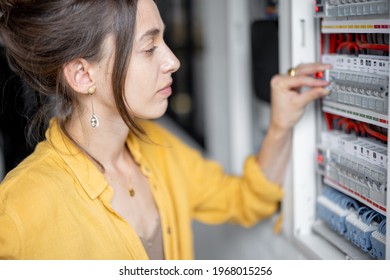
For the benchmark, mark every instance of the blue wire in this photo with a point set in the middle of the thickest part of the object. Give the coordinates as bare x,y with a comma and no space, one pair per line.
363,208
382,227
372,216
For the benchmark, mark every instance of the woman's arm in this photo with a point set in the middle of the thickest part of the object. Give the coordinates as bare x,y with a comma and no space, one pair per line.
287,107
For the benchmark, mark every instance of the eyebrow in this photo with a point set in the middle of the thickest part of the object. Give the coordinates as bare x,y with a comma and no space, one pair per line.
151,33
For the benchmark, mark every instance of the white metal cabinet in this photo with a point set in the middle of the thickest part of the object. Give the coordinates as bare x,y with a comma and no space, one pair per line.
300,37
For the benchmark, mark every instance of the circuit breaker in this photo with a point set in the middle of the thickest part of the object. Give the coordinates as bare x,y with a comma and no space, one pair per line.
337,198
352,141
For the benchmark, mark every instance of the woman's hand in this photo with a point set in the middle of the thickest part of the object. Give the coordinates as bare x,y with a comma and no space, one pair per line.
287,102
288,105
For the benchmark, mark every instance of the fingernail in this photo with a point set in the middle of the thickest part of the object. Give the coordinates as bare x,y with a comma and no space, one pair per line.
325,92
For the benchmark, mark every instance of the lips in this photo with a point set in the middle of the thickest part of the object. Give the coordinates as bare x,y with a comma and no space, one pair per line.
166,87
166,90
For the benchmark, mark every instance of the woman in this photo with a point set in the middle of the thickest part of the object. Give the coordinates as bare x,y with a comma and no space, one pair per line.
105,183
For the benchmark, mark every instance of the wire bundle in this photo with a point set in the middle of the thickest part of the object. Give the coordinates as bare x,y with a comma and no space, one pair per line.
378,241
333,207
359,128
363,226
359,43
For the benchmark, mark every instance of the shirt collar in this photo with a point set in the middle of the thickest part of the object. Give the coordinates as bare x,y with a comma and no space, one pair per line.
86,172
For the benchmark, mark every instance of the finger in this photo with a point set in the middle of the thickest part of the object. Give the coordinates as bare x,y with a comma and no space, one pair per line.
310,95
302,81
311,68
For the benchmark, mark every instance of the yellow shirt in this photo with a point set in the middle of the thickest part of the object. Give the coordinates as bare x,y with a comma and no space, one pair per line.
56,203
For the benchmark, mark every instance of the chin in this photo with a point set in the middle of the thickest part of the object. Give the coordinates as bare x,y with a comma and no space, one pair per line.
153,114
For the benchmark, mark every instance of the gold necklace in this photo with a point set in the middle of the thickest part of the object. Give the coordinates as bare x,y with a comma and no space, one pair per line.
131,191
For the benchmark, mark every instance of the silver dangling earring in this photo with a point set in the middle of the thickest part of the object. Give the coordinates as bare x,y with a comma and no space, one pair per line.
94,120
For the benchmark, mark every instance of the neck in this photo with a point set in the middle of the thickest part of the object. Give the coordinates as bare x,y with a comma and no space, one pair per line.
105,143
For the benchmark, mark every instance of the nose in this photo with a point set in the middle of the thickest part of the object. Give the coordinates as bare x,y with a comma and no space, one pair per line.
171,63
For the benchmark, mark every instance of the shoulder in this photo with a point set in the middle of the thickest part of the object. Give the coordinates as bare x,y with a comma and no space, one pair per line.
30,199
34,179
165,144
158,134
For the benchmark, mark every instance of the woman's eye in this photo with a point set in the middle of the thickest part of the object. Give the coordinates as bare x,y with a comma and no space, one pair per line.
151,50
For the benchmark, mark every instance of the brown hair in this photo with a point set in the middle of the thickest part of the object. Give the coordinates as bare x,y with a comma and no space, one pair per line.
41,36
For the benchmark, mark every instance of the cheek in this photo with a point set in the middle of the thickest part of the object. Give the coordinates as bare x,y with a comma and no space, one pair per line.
138,94
133,94
143,101
140,85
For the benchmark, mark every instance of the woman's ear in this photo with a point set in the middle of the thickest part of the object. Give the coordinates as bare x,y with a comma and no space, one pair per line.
78,75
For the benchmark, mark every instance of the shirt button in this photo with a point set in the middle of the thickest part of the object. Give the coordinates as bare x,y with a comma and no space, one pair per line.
169,230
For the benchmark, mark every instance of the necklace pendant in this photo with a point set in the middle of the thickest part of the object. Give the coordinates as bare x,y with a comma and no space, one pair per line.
131,192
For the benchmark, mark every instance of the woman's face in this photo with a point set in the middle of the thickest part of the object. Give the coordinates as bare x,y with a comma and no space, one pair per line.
149,76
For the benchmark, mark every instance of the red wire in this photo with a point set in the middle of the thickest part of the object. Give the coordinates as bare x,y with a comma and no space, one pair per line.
341,46
362,129
350,44
351,124
364,45
328,119
348,125
364,38
378,47
354,46
332,43
374,133
341,122
340,39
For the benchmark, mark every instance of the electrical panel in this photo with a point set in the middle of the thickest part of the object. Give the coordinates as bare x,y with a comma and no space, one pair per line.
352,140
